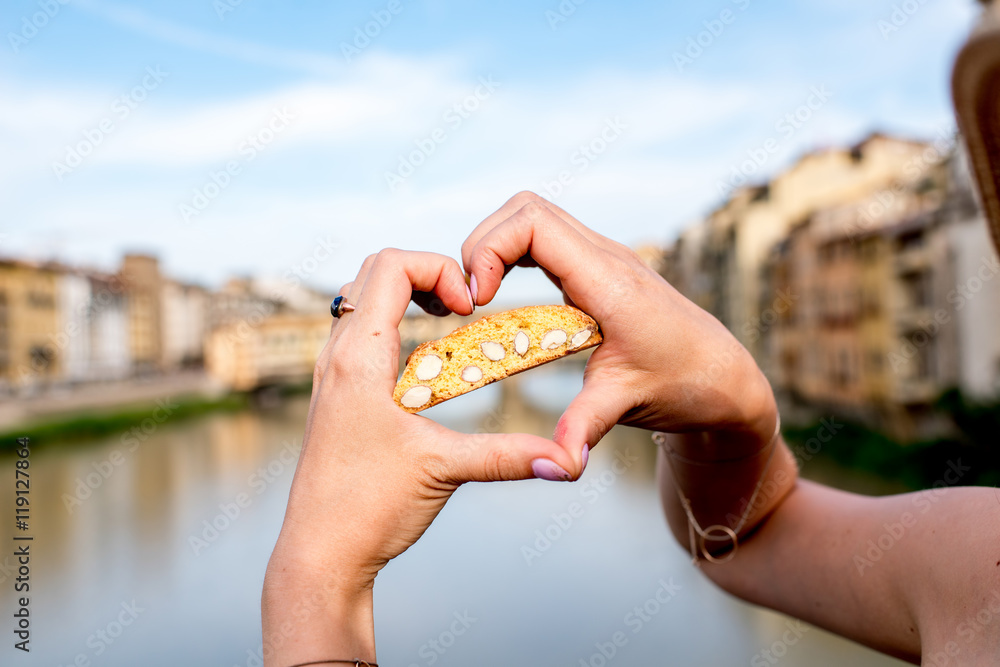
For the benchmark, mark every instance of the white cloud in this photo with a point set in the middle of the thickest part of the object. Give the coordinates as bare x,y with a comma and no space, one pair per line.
325,175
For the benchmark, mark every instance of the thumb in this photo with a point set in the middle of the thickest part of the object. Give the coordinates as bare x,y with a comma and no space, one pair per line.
494,457
590,415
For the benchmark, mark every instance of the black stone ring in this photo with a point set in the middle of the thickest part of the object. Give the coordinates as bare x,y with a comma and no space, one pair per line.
340,307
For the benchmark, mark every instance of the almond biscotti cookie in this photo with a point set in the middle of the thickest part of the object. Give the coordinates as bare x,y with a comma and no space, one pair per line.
491,349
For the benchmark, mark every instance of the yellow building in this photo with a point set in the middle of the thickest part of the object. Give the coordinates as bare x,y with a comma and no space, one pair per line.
143,283
279,349
29,323
869,334
739,235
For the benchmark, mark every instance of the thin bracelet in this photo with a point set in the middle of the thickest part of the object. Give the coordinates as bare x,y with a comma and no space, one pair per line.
727,534
356,662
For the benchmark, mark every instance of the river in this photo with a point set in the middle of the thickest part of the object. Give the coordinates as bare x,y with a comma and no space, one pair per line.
128,569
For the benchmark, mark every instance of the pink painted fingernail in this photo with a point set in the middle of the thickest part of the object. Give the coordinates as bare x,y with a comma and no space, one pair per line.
586,457
549,471
472,302
474,289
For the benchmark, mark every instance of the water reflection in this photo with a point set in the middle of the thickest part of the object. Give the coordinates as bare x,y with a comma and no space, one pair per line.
523,573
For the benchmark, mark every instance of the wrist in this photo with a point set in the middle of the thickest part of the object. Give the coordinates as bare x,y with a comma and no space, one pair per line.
297,563
748,427
310,613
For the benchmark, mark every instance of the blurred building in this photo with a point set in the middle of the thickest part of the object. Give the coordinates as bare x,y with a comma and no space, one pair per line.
73,340
65,326
143,283
108,318
238,301
29,319
184,318
882,318
723,260
863,281
974,295
279,349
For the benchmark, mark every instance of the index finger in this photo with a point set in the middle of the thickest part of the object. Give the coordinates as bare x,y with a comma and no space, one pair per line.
555,245
512,206
389,286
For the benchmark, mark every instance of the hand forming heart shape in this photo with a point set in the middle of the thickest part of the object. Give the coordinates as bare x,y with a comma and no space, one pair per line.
371,477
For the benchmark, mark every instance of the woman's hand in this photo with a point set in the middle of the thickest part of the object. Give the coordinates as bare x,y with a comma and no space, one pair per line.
371,477
665,364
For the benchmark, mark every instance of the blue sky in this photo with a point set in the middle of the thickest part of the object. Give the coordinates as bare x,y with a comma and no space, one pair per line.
263,100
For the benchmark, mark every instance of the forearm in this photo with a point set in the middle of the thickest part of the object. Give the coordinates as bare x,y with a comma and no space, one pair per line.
310,614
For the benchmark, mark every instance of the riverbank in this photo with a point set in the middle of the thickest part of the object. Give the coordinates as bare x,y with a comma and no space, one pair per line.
969,458
67,428
89,411
58,401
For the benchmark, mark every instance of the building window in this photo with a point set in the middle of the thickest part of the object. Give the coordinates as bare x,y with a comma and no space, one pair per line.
869,251
917,288
40,300
874,362
911,240
841,368
41,358
922,362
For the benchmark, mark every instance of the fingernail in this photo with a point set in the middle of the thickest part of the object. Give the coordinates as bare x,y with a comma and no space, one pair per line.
472,302
586,457
549,471
474,289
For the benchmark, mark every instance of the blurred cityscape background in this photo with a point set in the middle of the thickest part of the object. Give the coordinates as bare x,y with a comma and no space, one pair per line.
862,279
185,186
